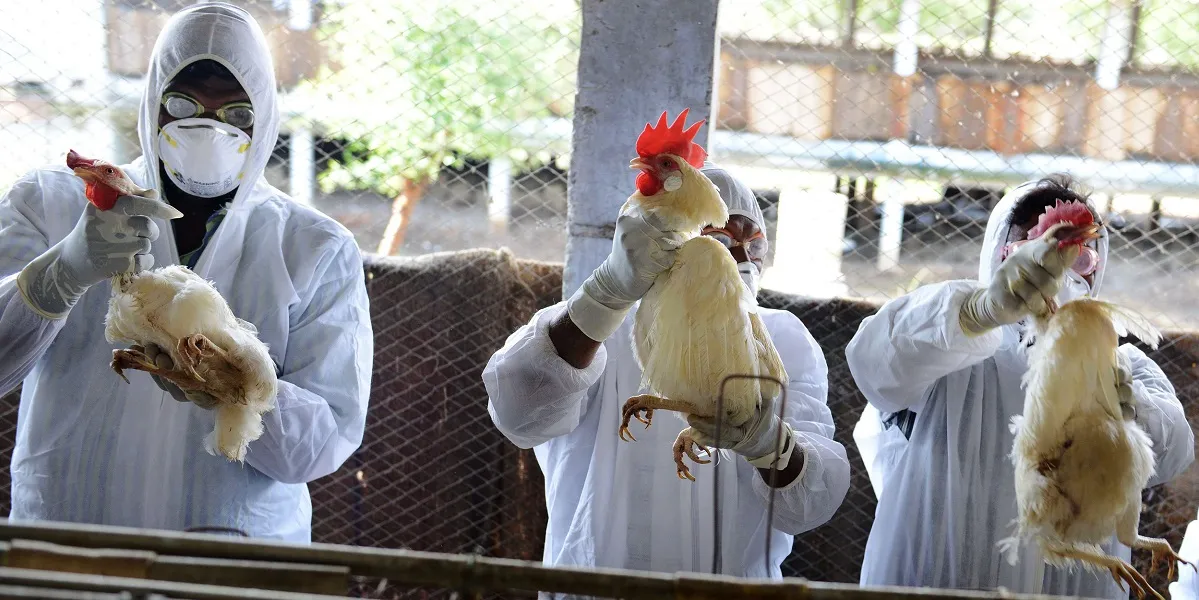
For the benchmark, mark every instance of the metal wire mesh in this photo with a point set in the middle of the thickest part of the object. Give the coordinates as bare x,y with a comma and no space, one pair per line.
878,135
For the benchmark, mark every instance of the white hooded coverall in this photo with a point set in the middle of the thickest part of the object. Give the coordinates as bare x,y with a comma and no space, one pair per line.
947,494
620,504
91,448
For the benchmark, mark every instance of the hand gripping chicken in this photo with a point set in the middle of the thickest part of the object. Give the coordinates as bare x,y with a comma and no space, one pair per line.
1080,462
173,308
698,324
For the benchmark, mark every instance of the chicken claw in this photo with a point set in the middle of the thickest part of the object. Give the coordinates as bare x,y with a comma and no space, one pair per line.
194,349
132,358
633,409
1162,549
686,444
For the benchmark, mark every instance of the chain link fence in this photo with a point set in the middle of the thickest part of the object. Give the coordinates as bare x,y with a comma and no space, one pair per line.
878,135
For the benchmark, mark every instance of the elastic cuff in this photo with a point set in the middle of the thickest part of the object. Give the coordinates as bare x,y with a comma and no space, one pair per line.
595,320
780,457
23,283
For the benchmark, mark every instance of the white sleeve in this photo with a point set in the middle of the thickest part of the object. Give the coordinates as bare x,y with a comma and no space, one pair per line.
1160,414
325,385
818,491
24,334
1187,586
900,352
533,394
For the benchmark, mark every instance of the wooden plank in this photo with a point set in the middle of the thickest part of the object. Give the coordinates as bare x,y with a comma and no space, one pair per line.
1042,108
149,589
734,81
1105,123
333,580
1145,106
1004,119
902,91
1190,125
43,556
790,100
862,109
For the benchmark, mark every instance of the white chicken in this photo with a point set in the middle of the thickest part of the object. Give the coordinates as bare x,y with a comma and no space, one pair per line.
177,310
1080,464
698,324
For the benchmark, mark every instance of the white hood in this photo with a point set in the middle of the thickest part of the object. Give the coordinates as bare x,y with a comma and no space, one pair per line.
737,196
997,233
230,36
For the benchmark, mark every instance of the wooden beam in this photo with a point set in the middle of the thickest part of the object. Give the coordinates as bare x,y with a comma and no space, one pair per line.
407,568
1134,36
851,24
989,31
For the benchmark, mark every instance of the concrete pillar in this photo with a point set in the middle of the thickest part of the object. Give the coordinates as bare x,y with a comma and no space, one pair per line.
906,53
890,231
807,248
627,76
299,14
499,193
302,166
1113,48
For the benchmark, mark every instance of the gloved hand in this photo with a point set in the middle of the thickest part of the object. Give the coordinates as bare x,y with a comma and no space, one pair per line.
758,440
641,250
1128,402
102,244
1023,284
163,361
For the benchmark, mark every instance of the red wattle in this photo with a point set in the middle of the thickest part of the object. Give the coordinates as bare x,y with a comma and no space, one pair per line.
102,196
647,184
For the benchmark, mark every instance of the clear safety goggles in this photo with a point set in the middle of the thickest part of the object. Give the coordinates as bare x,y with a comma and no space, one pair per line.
756,247
182,106
1085,264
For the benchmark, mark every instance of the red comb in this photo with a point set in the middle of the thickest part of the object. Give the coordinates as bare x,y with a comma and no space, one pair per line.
1073,212
672,139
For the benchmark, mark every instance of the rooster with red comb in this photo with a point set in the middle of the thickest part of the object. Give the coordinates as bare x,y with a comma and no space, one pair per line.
698,323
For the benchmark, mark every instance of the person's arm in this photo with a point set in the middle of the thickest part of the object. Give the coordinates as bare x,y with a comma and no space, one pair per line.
815,480
1160,414
534,392
325,383
898,353
571,343
25,334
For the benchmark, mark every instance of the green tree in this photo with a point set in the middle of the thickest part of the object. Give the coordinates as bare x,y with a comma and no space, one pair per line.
420,85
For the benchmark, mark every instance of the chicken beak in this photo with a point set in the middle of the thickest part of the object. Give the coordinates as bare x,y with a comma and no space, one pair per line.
638,164
1093,231
86,174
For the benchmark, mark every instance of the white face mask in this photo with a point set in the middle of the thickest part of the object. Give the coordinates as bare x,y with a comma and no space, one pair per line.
1073,287
204,157
749,275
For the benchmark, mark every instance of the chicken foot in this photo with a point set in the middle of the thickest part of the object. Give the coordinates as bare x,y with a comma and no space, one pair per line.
1121,571
135,358
686,444
1161,548
647,404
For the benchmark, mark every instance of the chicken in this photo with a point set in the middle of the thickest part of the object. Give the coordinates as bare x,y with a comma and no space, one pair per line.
1080,465
212,350
698,324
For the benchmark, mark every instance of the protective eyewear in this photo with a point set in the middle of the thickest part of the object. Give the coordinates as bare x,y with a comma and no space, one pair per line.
756,247
1085,264
182,106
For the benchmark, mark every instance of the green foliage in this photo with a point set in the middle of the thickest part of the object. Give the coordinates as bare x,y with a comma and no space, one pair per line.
1169,34
419,85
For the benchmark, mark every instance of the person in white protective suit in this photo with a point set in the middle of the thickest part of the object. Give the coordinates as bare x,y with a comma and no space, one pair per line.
941,368
558,386
1187,586
91,448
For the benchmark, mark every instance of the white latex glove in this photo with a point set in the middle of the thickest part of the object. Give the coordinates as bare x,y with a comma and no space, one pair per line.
1024,284
103,244
1128,402
758,440
163,361
641,250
